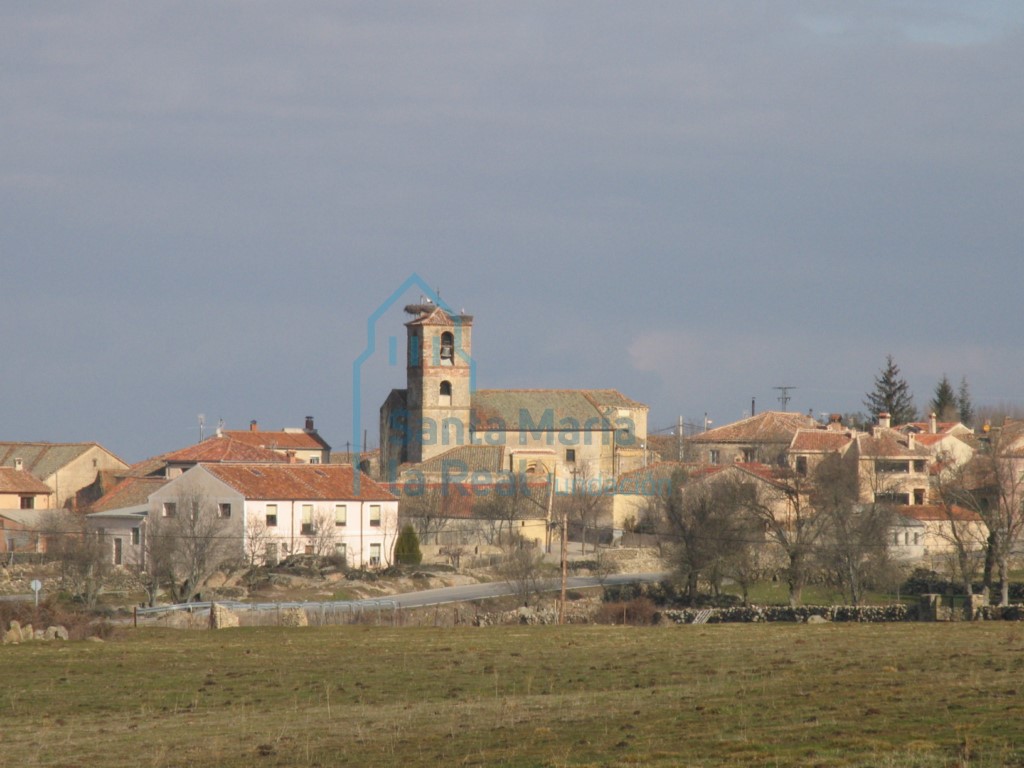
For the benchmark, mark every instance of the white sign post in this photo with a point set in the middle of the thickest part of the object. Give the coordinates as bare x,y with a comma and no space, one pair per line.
36,586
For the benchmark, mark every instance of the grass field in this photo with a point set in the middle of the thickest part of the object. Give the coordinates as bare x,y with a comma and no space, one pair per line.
719,695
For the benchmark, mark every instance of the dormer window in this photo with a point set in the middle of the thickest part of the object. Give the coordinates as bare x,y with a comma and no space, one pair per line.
447,348
444,395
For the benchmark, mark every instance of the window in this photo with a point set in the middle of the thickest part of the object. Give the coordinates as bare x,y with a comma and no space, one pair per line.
892,497
896,539
917,539
375,515
28,502
445,394
340,514
170,509
801,465
570,455
118,551
195,509
307,519
375,554
919,495
271,515
749,455
314,459
223,511
919,465
714,456
447,348
341,550
136,537
891,467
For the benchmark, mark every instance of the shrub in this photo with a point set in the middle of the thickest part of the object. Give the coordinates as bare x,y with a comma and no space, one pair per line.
407,548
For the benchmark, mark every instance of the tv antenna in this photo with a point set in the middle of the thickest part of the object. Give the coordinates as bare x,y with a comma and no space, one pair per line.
784,397
202,423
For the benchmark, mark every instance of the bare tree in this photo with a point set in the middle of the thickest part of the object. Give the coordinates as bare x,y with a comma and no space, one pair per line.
522,566
587,500
84,555
505,504
995,478
790,522
186,545
424,506
705,522
257,536
962,532
323,536
856,545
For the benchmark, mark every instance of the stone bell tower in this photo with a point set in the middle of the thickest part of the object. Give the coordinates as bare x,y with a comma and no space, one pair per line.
438,381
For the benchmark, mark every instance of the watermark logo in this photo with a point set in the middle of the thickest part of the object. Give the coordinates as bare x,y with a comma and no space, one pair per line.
412,283
407,424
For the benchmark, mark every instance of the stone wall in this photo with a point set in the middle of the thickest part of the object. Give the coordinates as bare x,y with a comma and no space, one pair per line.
800,613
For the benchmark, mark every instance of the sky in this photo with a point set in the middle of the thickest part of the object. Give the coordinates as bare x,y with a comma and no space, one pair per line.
203,203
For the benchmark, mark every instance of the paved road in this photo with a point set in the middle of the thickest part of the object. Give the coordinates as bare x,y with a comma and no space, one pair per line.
469,592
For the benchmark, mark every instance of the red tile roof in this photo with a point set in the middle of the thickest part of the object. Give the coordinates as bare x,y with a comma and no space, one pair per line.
927,439
889,445
226,448
819,441
325,482
130,492
522,409
765,427
280,441
20,481
467,500
43,459
643,480
936,512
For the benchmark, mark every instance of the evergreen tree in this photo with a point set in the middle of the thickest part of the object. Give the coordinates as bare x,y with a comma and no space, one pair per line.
963,402
891,395
407,548
944,404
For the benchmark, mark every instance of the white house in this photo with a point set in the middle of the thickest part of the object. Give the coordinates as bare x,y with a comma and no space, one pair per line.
285,509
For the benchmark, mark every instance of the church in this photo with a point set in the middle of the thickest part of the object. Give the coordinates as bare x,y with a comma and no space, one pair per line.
442,423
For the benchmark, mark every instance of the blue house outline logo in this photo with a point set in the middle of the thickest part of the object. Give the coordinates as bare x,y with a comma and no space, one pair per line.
413,281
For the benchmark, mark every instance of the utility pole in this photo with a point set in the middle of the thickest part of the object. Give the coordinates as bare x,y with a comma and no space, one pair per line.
565,552
784,397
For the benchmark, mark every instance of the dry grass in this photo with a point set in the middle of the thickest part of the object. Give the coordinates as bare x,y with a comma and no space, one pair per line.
725,695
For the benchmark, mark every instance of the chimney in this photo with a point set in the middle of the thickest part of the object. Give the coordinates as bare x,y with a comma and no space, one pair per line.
254,426
19,465
933,425
883,420
910,440
309,424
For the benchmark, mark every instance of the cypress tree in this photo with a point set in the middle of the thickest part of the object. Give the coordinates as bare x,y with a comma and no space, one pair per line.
407,548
